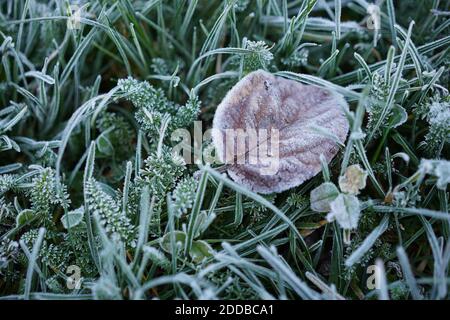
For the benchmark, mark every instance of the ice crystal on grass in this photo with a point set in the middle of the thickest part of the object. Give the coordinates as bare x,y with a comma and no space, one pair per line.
187,113
437,113
144,95
184,195
106,289
297,59
76,241
152,106
7,182
9,251
160,66
151,103
161,172
259,58
297,201
116,223
53,283
117,136
46,158
6,210
438,168
44,193
379,92
345,209
259,212
54,256
241,5
29,237
157,257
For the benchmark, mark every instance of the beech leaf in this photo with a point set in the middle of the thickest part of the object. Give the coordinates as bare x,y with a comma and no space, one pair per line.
285,115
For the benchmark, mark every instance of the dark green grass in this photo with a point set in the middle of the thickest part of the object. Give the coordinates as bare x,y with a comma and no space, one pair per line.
79,158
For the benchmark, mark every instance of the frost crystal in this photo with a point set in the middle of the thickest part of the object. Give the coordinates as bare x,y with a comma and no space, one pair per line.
442,171
8,253
152,106
161,173
297,59
353,180
260,56
379,92
44,193
7,182
439,132
106,289
345,210
241,5
322,196
114,221
285,111
438,168
157,257
184,195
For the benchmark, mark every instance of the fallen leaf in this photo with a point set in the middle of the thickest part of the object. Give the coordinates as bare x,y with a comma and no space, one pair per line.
282,112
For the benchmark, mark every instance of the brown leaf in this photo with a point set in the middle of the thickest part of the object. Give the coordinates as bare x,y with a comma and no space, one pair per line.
278,115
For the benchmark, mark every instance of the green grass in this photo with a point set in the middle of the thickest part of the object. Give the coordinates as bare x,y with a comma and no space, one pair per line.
89,190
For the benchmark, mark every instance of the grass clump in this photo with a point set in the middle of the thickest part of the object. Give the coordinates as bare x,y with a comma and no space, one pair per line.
88,180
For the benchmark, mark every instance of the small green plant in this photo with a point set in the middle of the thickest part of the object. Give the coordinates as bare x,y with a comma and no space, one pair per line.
96,203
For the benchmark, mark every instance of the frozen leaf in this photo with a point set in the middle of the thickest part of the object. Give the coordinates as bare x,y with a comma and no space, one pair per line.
179,237
345,210
398,117
442,171
104,145
353,180
24,217
200,250
262,131
438,168
72,218
322,196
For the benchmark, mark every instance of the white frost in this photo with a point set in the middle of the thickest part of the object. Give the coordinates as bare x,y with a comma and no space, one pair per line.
353,180
262,101
345,209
